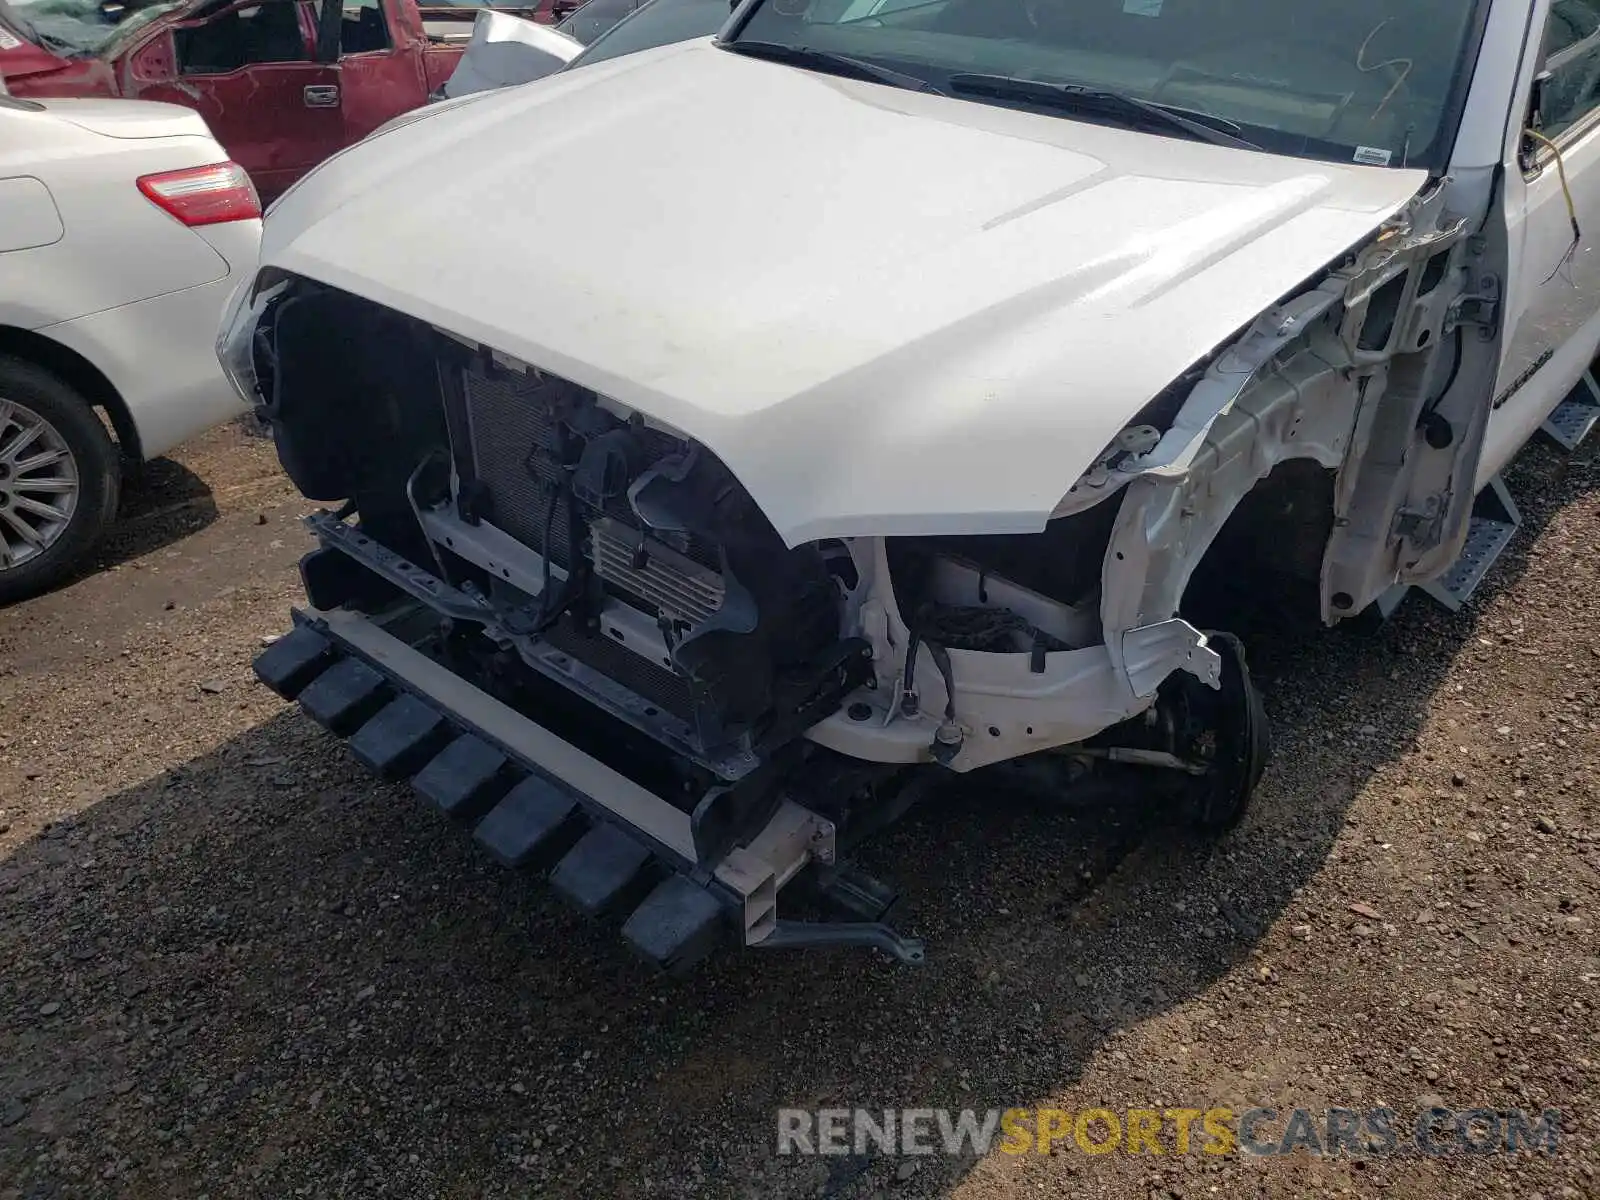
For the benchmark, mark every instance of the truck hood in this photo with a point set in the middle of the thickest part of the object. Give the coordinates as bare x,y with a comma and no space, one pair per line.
887,312
32,68
19,53
68,49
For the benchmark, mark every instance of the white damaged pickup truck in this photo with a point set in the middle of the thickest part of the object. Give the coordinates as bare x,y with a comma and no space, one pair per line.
855,398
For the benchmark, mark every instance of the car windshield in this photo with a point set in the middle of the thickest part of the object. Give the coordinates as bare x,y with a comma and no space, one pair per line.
81,27
657,23
1370,81
594,18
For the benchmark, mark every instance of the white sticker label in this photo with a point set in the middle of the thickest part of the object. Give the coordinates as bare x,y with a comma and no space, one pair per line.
1142,8
7,42
1373,156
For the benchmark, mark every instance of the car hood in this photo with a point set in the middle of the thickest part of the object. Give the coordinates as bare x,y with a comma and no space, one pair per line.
887,312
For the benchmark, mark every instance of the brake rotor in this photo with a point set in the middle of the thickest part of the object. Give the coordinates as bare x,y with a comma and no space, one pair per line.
1231,736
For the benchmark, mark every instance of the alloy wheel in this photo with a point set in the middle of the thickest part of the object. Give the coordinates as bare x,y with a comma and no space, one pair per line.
39,486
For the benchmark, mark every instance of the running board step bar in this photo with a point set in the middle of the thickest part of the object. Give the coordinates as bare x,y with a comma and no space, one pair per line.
1576,416
534,801
1494,522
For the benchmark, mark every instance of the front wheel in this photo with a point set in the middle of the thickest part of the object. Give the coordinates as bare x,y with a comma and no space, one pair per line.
1203,748
59,479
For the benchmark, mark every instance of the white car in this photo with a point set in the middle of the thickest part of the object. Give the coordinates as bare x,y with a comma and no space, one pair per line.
886,389
123,228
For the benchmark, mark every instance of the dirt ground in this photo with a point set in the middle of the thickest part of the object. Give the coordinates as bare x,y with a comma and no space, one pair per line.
232,965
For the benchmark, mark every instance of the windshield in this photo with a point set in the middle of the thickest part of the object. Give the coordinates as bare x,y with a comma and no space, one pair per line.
658,23
1370,81
594,18
84,26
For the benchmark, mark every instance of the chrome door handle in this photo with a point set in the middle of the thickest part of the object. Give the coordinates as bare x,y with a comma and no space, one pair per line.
321,96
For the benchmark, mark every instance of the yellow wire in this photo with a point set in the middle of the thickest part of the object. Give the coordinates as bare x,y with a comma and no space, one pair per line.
1404,64
1566,194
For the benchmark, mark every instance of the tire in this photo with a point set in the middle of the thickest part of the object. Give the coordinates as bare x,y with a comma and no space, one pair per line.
40,416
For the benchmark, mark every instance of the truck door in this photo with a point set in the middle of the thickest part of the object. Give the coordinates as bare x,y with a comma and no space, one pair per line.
380,58
250,69
1554,296
1527,320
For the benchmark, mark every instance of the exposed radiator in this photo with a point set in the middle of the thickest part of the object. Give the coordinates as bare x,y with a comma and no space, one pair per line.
509,422
508,416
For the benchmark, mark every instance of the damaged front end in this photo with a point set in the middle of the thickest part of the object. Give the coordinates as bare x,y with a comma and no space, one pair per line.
572,626
568,626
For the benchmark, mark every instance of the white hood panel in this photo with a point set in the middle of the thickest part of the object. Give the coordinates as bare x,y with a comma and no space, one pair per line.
888,312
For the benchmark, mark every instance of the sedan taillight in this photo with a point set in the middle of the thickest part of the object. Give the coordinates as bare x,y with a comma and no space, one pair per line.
204,195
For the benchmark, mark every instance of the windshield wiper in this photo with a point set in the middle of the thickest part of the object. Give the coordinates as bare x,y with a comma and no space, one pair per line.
1080,97
837,64
51,42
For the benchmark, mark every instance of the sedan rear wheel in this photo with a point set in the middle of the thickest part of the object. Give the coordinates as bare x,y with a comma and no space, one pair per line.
59,479
38,484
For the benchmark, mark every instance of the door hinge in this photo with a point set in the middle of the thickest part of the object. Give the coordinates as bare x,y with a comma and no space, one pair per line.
1480,309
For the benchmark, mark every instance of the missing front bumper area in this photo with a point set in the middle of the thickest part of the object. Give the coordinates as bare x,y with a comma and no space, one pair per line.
534,801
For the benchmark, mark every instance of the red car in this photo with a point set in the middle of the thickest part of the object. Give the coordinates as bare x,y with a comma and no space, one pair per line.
282,83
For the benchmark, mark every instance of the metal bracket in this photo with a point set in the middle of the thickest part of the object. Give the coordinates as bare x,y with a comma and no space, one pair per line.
799,935
1152,652
755,885
1135,756
1421,525
404,574
794,837
1480,309
849,887
506,629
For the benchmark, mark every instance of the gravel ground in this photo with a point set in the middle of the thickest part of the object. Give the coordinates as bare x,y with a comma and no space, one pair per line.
230,964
